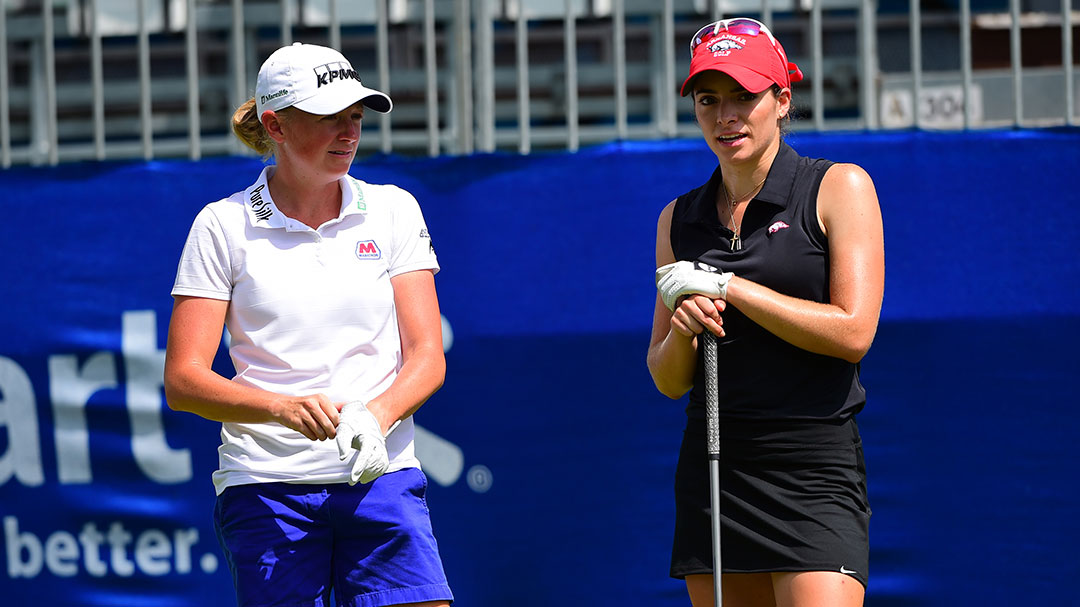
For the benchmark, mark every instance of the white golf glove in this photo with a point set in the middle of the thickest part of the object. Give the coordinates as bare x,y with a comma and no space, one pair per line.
687,277
358,431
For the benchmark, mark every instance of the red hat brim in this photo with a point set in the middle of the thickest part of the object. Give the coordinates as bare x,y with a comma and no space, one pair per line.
749,79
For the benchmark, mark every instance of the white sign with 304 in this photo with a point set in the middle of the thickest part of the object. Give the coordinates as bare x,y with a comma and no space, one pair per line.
940,107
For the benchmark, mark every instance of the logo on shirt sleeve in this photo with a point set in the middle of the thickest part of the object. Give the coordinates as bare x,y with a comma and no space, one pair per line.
367,249
425,234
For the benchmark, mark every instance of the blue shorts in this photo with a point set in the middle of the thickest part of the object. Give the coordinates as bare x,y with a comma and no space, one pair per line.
291,544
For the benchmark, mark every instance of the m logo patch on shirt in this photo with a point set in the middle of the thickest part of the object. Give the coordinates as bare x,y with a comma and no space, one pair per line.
367,249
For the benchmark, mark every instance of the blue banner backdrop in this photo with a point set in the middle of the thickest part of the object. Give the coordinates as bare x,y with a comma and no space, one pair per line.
550,451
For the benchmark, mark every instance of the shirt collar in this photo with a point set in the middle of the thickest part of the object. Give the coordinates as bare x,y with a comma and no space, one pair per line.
775,190
352,196
778,184
262,212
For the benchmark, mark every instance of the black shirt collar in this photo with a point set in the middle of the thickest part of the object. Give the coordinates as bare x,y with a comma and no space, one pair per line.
776,190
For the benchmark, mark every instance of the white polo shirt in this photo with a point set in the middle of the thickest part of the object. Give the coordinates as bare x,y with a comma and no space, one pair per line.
310,311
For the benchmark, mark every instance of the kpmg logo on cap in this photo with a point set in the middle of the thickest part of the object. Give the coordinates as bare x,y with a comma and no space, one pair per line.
338,70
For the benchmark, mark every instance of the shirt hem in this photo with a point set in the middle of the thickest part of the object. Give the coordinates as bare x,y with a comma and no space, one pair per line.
195,292
225,479
427,265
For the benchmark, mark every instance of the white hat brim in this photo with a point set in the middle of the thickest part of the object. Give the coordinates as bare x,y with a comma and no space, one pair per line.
324,105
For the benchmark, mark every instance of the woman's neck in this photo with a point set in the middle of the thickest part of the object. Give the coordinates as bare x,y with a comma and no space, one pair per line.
307,200
743,178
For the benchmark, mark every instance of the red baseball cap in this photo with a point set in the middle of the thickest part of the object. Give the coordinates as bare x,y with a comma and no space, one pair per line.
745,50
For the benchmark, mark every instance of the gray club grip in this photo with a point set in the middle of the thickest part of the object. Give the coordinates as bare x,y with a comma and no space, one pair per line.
712,395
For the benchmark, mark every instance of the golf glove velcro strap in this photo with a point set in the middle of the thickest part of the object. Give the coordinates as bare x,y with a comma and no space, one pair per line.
359,434
686,278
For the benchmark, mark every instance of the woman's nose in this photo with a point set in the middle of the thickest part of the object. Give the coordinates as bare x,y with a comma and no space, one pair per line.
726,112
350,129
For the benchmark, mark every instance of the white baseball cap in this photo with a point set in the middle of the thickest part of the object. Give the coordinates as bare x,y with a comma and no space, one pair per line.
315,79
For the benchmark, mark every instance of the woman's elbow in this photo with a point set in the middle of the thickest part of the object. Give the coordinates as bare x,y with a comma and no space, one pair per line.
172,394
436,370
669,388
852,356
857,345
438,379
672,392
174,382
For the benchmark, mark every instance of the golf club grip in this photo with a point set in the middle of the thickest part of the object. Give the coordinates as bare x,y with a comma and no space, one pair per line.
712,395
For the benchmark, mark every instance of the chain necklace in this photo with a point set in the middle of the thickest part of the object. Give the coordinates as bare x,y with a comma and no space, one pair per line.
736,241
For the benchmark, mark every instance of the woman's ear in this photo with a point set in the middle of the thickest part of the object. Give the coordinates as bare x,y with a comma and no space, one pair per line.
271,121
783,103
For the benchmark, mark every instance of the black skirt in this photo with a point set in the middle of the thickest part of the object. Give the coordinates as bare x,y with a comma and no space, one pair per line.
793,498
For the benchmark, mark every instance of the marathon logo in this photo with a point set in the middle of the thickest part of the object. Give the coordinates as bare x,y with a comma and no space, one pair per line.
260,207
338,70
367,249
264,98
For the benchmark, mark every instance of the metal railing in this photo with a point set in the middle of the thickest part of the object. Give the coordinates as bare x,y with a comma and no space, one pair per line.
115,79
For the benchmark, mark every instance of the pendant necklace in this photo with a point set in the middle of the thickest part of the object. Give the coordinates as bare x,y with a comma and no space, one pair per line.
736,241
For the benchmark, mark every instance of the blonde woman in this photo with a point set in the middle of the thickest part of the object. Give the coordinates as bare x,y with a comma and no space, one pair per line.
326,285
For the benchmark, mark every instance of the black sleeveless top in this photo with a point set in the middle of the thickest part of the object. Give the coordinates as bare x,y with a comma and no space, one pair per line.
762,377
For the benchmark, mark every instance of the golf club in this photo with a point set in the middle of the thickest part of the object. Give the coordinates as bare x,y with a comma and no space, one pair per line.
712,439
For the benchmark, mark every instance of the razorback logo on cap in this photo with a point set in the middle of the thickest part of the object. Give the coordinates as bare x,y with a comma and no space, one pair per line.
725,44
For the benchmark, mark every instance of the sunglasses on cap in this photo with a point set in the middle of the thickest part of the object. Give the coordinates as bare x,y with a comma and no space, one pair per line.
742,26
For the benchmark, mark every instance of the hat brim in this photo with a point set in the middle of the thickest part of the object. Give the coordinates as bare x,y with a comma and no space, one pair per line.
749,79
324,105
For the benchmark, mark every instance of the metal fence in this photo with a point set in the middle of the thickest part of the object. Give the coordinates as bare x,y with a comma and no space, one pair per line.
114,79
